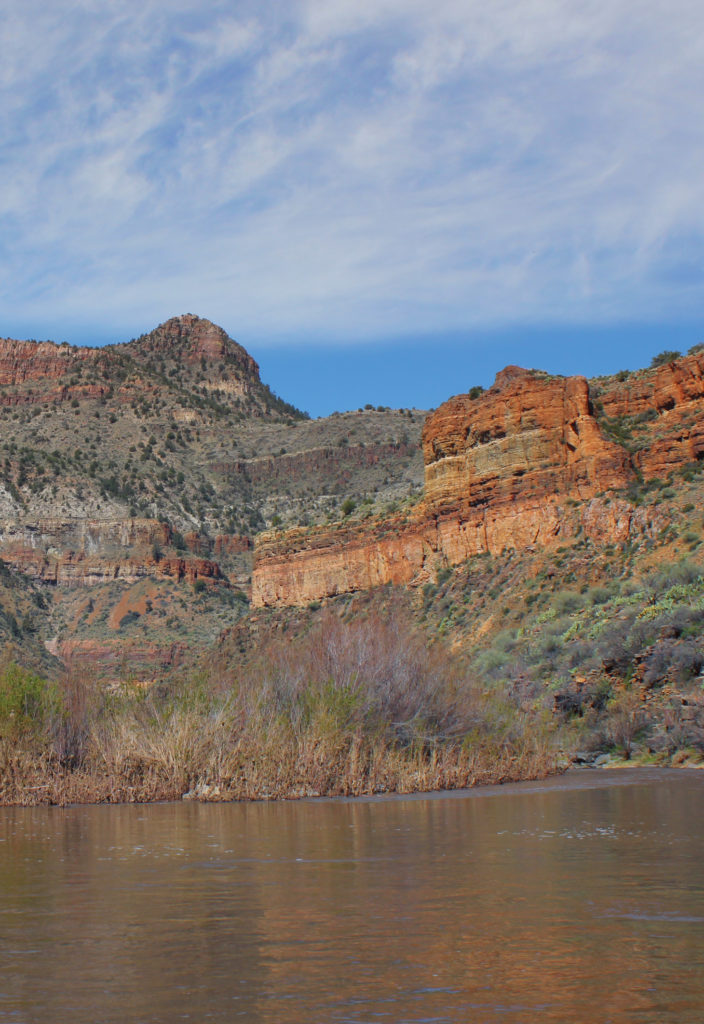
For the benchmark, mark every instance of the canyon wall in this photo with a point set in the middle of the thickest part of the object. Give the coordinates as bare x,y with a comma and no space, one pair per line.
528,462
663,409
84,552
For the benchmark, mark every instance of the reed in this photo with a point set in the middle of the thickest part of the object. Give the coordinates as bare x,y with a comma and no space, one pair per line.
361,708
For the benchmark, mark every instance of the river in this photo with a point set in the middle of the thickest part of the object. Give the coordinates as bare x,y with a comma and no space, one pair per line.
580,899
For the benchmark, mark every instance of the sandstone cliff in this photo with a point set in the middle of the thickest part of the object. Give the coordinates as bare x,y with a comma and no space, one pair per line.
659,412
519,465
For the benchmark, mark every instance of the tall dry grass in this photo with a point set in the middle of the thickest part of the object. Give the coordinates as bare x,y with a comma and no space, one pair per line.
351,708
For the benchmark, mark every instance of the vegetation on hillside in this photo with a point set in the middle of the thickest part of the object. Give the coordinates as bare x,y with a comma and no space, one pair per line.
351,708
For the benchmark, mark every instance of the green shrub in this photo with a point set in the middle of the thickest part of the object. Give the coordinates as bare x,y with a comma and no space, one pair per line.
567,601
28,703
662,358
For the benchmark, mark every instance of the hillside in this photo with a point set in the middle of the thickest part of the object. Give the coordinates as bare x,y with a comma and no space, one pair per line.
134,473
557,546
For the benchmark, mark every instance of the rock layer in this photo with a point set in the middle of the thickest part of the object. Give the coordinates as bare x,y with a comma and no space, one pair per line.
80,552
521,464
663,409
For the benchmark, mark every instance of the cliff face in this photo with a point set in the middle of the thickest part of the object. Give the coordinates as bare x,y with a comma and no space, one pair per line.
82,552
529,436
661,410
522,464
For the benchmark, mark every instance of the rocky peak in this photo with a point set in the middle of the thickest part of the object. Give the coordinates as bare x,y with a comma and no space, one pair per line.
192,339
509,375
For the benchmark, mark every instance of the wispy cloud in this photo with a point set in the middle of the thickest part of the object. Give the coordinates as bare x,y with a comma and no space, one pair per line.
350,170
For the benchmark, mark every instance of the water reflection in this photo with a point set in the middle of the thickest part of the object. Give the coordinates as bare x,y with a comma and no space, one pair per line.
554,904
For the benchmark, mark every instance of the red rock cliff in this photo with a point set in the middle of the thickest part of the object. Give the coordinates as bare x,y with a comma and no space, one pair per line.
502,470
662,411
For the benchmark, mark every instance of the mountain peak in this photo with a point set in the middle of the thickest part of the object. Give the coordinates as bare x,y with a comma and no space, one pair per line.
191,339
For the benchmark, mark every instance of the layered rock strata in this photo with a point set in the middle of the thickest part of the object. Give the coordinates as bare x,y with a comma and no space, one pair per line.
521,464
81,552
661,409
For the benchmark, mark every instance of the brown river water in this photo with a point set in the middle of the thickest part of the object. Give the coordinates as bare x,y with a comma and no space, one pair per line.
576,900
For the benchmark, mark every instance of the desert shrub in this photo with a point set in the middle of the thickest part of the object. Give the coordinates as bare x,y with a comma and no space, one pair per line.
377,675
681,661
581,654
618,645
625,719
128,618
662,358
556,627
566,602
680,574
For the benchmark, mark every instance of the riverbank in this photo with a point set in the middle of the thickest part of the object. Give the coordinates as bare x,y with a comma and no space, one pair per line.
350,709
278,772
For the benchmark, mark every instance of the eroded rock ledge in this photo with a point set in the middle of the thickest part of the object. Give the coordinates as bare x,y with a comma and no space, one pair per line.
529,462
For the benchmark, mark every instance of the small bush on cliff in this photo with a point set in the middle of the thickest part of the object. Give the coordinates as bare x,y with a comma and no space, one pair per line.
662,358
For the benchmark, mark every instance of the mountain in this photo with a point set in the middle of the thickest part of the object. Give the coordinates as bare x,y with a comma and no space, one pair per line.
134,473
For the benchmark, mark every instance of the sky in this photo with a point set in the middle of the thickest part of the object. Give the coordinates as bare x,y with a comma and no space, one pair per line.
382,200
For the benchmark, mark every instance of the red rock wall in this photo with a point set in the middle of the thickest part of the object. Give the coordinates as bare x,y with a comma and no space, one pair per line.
672,399
502,471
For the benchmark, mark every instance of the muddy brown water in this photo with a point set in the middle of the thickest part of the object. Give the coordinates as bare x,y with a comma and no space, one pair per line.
576,900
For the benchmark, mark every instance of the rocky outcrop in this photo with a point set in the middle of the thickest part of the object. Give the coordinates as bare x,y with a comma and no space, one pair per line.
80,552
82,536
24,362
662,412
320,469
520,465
529,436
297,567
196,341
111,659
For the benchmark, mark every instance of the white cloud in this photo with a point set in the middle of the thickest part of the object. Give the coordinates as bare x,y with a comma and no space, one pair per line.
351,169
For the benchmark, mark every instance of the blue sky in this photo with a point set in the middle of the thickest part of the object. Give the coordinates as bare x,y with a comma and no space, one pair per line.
382,201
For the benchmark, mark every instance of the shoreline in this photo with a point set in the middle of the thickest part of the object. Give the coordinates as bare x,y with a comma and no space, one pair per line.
271,776
95,791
